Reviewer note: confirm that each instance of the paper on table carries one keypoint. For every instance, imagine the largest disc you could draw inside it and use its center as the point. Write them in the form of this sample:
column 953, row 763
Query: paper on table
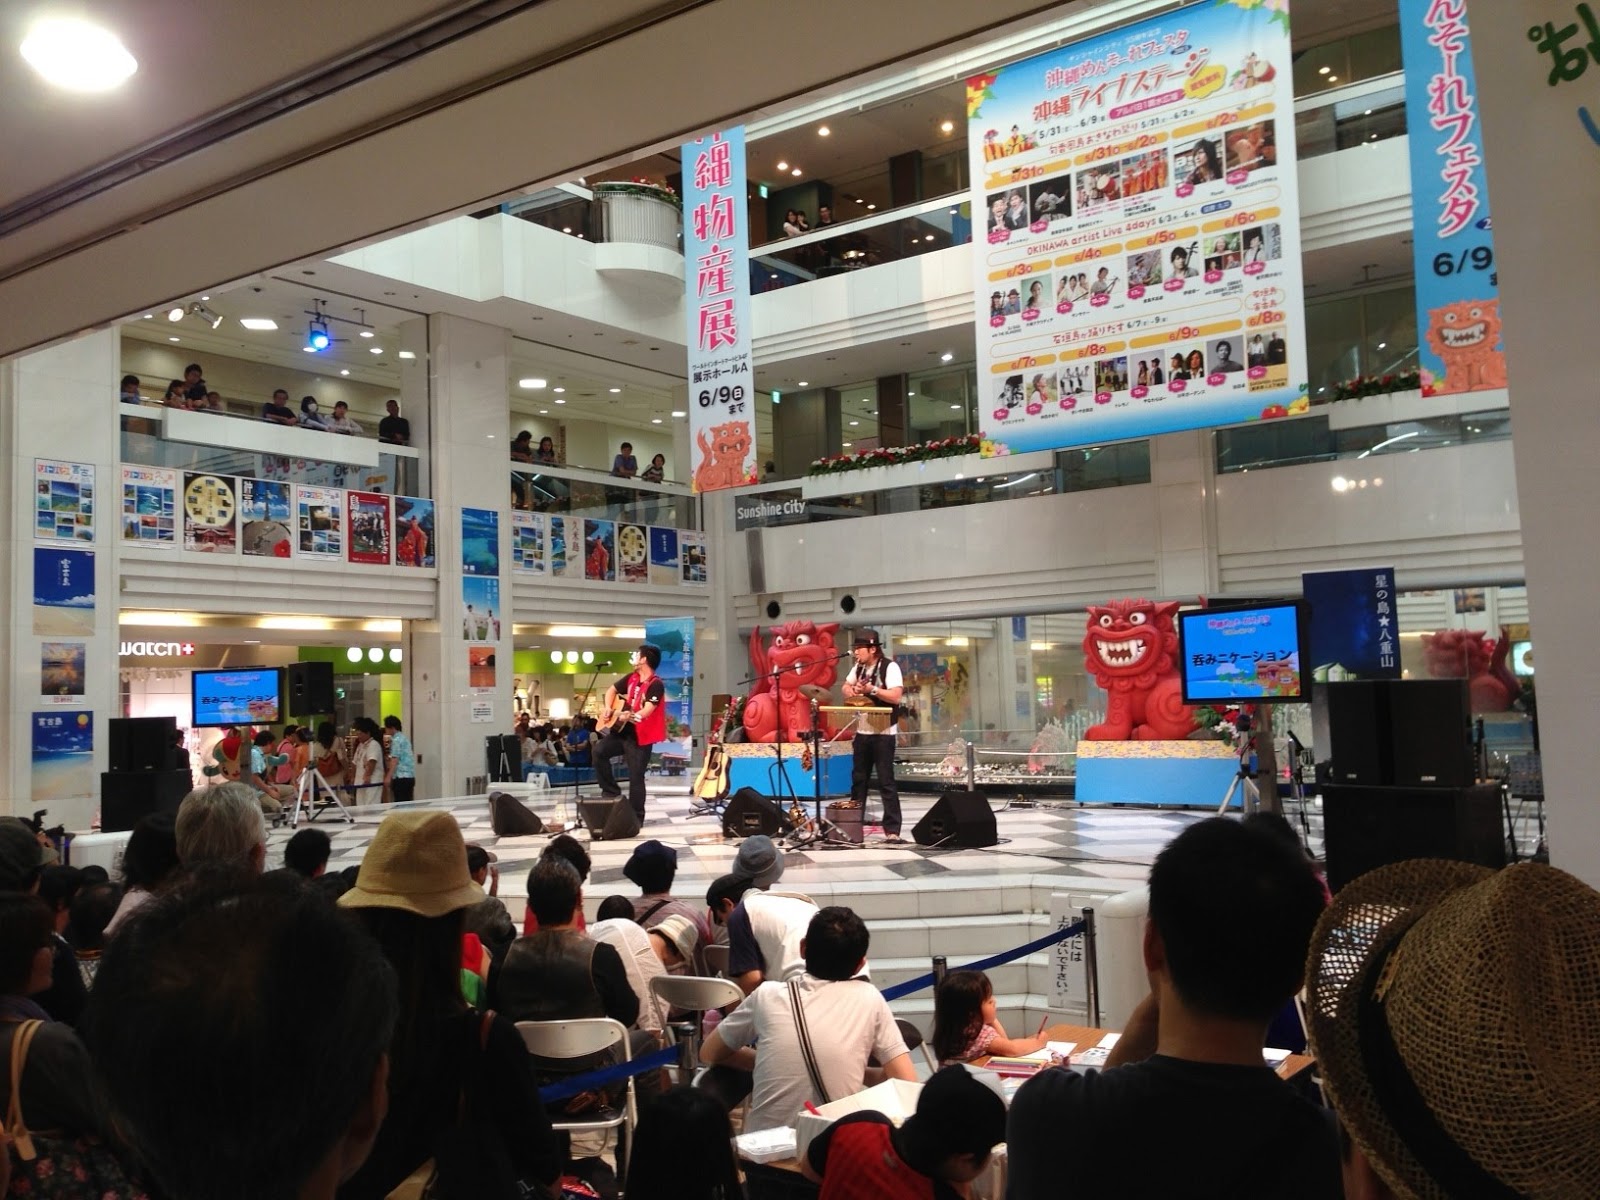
column 1275, row 1058
column 1062, row 1050
column 1108, row 1041
column 768, row 1145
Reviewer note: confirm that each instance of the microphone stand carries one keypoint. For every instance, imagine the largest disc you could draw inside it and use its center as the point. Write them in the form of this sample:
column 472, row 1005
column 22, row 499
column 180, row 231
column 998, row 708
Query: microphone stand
column 782, row 779
column 577, row 772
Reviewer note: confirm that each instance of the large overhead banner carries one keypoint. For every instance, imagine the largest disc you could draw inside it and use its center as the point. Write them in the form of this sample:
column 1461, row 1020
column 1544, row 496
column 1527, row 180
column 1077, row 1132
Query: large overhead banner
column 716, row 259
column 1139, row 268
column 1458, row 304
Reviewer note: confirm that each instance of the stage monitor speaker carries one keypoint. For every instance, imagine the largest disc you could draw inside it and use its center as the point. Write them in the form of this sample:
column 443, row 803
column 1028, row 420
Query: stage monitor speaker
column 1365, row 828
column 125, row 796
column 1350, row 733
column 310, row 689
column 509, row 817
column 503, row 756
column 609, row 820
column 1430, row 724
column 957, row 819
column 141, row 743
column 748, row 812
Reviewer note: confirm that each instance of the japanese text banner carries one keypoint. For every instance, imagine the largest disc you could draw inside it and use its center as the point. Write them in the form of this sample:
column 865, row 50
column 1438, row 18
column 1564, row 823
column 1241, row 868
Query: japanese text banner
column 1140, row 270
column 716, row 252
column 1458, row 307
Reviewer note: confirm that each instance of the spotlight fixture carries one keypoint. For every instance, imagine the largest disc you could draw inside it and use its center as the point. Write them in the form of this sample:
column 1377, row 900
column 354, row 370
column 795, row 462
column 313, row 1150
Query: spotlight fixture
column 197, row 309
column 318, row 338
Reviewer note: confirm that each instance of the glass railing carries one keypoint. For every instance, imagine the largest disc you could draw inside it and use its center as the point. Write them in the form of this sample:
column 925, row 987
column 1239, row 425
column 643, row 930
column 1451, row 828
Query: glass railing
column 564, row 209
column 1344, row 118
column 847, row 246
column 1311, row 440
column 569, row 491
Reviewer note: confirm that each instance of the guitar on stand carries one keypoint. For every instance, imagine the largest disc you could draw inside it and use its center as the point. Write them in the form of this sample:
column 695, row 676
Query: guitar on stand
column 711, row 785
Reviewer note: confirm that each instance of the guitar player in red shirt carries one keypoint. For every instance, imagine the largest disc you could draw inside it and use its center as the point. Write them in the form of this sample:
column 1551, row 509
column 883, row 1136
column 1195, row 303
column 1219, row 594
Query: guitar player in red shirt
column 635, row 719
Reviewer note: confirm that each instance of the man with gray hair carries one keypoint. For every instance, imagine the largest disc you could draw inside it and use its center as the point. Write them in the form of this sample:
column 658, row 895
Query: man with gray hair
column 222, row 826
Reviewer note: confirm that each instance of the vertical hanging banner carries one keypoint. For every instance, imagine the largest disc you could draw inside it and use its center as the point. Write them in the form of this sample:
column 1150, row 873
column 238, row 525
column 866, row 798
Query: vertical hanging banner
column 675, row 637
column 1355, row 631
column 1458, row 305
column 1140, row 270
column 716, row 253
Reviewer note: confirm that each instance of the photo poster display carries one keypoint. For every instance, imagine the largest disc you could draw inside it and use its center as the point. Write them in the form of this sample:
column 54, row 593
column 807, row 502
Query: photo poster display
column 369, row 527
column 1458, row 297
column 633, row 553
column 599, row 550
column 480, row 541
column 716, row 252
column 528, row 543
column 692, row 557
column 480, row 668
column 1355, row 631
column 210, row 513
column 675, row 637
column 321, row 519
column 63, row 756
column 480, row 600
column 562, row 564
column 664, row 567
column 63, row 500
column 150, row 506
column 1138, row 268
column 413, row 528
column 264, row 515
column 62, row 669
column 63, row 592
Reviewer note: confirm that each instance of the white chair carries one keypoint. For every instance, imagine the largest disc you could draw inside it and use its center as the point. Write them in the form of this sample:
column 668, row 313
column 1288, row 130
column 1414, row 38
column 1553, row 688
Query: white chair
column 588, row 1038
column 697, row 995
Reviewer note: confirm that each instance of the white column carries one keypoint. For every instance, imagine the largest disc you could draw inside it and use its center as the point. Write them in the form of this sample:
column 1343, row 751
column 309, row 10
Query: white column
column 1183, row 472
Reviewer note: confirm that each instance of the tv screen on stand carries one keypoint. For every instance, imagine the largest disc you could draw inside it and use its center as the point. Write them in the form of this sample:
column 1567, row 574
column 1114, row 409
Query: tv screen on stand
column 1244, row 654
column 243, row 696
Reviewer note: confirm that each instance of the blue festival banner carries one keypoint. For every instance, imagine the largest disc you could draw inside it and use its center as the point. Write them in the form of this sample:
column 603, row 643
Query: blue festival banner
column 1458, row 306
column 675, row 636
column 1355, row 631
column 716, row 254
column 1139, row 270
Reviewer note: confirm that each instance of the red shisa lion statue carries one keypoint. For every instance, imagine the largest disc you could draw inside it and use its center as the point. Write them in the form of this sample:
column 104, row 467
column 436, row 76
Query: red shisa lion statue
column 1472, row 655
column 1131, row 650
column 800, row 665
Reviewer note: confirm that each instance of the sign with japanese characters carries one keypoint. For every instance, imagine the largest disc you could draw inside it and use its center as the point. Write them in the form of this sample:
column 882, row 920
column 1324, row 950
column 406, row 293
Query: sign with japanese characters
column 1355, row 630
column 149, row 506
column 1138, row 267
column 1458, row 306
column 674, row 636
column 716, row 252
column 63, row 505
column 528, row 534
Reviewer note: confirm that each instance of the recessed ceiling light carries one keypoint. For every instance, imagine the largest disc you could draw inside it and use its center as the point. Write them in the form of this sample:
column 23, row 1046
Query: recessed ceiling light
column 855, row 422
column 172, row 339
column 560, row 390
column 871, row 207
column 955, row 406
column 795, row 172
column 532, row 384
column 407, row 354
column 928, row 237
column 655, row 420
column 566, row 229
column 1333, row 79
column 859, row 200
column 846, row 445
column 367, row 333
column 344, row 371
column 946, row 356
column 804, row 383
column 307, row 349
column 678, row 412
column 782, row 166
column 560, row 401
column 259, row 324
column 375, row 350
column 77, row 55
column 1323, row 70
column 947, row 126
column 613, row 391
column 149, row 316
column 177, row 312
column 823, row 131
column 544, row 412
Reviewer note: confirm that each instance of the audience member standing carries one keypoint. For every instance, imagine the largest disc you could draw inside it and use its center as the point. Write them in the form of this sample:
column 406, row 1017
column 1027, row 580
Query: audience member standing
column 277, row 411
column 343, row 422
column 394, row 428
column 149, row 862
column 22, row 858
column 400, row 763
column 310, row 418
column 625, row 465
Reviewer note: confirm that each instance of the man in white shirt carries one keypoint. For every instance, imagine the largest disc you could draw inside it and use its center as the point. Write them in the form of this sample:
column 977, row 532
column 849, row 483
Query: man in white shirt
column 766, row 938
column 845, row 1018
column 878, row 681
column 617, row 928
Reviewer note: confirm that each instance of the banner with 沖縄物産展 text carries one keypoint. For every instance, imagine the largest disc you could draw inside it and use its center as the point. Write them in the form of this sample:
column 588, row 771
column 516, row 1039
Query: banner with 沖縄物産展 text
column 716, row 253
column 674, row 636
column 1458, row 304
column 1139, row 269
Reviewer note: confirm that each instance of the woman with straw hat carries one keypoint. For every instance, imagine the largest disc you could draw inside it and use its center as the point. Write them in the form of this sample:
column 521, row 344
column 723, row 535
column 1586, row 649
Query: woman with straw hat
column 447, row 1059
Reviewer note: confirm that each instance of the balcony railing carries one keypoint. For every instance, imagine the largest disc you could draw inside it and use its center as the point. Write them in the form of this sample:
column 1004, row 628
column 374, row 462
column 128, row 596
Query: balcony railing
column 572, row 491
column 847, row 246
column 1373, row 110
column 1312, row 439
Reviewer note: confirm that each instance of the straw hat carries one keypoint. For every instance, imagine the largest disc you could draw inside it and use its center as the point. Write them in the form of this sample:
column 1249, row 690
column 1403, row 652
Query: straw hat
column 1452, row 1016
column 680, row 931
column 417, row 863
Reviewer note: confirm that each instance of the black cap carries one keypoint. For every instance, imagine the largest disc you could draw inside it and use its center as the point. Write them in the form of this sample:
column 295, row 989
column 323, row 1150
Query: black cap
column 867, row 637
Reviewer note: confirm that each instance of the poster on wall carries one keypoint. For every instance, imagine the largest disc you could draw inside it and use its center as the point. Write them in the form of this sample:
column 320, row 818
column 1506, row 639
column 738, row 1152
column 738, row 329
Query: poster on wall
column 528, row 543
column 599, row 550
column 480, row 599
column 561, row 563
column 1139, row 267
column 63, row 756
column 62, row 666
column 716, row 252
column 663, row 556
column 321, row 520
column 480, row 668
column 675, row 637
column 480, row 541
column 1355, row 629
column 210, row 513
column 369, row 527
column 63, row 592
column 264, row 518
column 63, row 500
column 413, row 528
column 633, row 553
column 692, row 555
column 1458, row 305
column 149, row 506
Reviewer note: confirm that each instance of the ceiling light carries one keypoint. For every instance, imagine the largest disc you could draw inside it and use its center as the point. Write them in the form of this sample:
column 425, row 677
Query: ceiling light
column 588, row 656
column 614, row 391
column 804, row 383
column 556, row 656
column 77, row 56
column 353, row 654
column 871, row 207
column 395, row 654
column 1383, row 345
column 655, row 420
column 1323, row 70
column 823, row 131
column 846, row 445
column 532, row 384
column 317, row 336
column 560, row 401
column 197, row 309
column 795, row 172
column 149, row 316
column 345, row 372
column 172, row 339
column 928, row 238
column 782, row 166
column 678, row 412
column 859, row 200
column 1333, row 79
column 946, row 356
column 558, row 391
column 910, row 393
column 855, row 422
column 956, row 406
column 177, row 313
column 566, row 229
column 947, row 126
column 544, row 412
column 259, row 324
column 407, row 354
column 367, row 333
column 375, row 350
column 375, row 654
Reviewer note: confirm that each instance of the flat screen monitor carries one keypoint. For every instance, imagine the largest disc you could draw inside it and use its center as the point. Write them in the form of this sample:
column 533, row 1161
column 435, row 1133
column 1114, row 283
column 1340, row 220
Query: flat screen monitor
column 1244, row 654
column 242, row 696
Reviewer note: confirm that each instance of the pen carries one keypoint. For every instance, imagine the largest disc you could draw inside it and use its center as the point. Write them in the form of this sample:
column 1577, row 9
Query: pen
column 812, row 1109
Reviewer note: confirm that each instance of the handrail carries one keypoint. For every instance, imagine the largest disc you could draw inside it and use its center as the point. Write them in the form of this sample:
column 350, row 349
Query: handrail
column 857, row 224
column 1350, row 91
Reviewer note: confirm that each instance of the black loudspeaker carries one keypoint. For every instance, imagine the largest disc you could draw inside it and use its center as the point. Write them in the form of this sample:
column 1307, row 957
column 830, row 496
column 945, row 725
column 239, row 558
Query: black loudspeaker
column 1365, row 828
column 609, row 820
column 1430, row 724
column 310, row 689
column 1350, row 733
column 748, row 813
column 509, row 817
column 957, row 819
column 503, row 756
column 141, row 743
column 125, row 796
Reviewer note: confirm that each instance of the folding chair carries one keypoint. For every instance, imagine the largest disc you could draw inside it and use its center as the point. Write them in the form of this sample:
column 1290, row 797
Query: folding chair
column 716, row 958
column 697, row 995
column 912, row 1036
column 588, row 1038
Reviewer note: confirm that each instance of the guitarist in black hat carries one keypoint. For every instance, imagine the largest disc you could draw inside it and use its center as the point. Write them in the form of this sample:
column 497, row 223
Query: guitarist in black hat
column 877, row 681
column 635, row 719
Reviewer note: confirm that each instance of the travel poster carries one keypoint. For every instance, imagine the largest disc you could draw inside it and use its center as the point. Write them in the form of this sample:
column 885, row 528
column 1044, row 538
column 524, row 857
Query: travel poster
column 1355, row 629
column 61, row 671
column 692, row 552
column 149, row 506
column 562, row 563
column 321, row 520
column 599, row 550
column 528, row 542
column 413, row 531
column 480, row 668
column 265, row 516
column 63, row 500
column 369, row 528
column 480, row 599
column 480, row 541
column 63, row 756
column 210, row 513
column 63, row 592
column 675, row 637
column 664, row 556
column 633, row 553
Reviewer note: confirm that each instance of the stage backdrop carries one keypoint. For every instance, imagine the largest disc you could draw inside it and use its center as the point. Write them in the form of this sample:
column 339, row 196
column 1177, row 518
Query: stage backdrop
column 1137, row 265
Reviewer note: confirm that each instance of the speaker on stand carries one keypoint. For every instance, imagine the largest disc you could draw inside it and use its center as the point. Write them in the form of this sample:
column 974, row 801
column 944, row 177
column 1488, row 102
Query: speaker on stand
column 311, row 689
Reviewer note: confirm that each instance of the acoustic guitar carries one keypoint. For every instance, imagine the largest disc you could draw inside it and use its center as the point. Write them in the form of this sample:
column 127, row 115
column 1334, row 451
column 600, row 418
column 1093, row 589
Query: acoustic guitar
column 712, row 781
column 614, row 718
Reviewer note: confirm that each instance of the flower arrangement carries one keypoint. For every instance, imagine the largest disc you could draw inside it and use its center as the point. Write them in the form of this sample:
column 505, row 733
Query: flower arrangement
column 653, row 189
column 1375, row 385
column 1217, row 724
column 888, row 456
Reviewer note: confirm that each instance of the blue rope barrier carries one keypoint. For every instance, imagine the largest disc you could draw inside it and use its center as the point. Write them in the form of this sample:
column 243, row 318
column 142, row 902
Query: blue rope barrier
column 983, row 964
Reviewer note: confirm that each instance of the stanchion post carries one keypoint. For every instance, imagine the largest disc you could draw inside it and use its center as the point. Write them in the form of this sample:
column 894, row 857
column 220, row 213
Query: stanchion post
column 972, row 767
column 940, row 966
column 1091, row 970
